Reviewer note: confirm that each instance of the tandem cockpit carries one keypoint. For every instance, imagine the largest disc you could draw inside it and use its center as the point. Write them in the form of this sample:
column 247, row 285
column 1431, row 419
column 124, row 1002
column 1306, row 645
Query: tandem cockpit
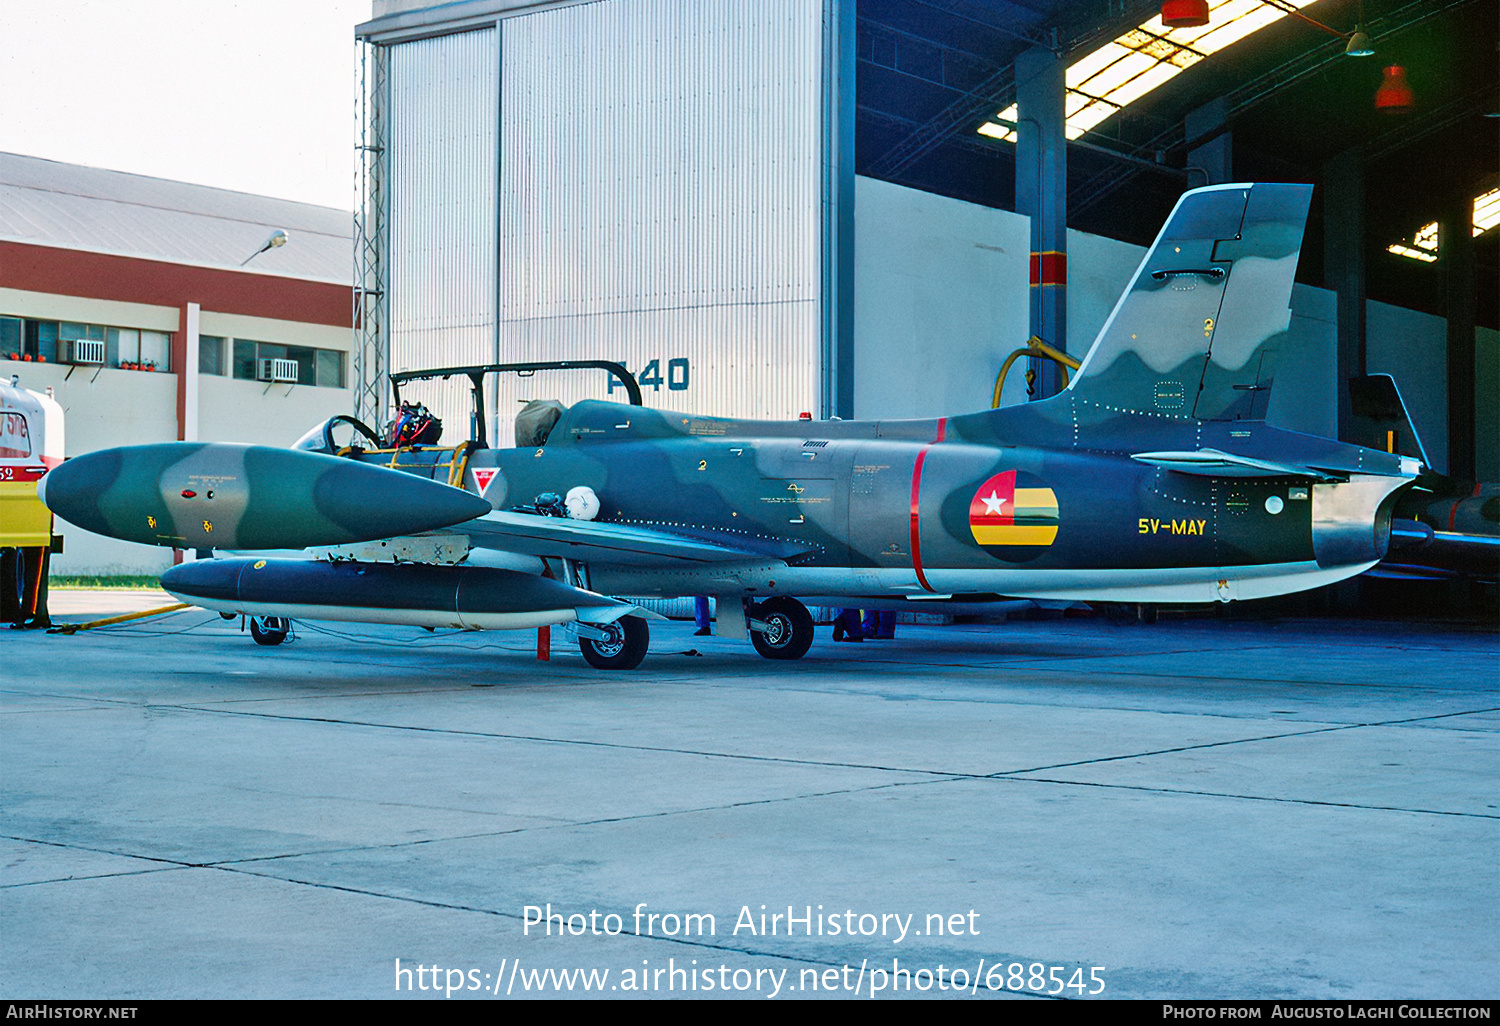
column 414, row 441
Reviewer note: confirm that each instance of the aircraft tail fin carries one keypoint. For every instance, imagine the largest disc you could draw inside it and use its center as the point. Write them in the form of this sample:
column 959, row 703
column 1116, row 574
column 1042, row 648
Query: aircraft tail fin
column 1381, row 420
column 1197, row 332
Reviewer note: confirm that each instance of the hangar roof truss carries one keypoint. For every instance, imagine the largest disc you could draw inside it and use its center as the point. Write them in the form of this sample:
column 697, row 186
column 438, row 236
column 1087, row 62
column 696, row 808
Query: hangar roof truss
column 1133, row 64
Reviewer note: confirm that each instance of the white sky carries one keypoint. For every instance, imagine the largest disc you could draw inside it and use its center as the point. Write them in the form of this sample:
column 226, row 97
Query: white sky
column 253, row 95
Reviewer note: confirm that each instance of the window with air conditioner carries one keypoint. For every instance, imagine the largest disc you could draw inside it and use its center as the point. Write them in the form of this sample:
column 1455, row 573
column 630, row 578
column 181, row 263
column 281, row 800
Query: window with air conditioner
column 83, row 350
column 277, row 370
column 303, row 365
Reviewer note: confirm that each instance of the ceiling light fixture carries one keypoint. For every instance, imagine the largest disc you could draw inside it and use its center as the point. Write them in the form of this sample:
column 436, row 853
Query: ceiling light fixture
column 1359, row 43
column 1394, row 95
column 1184, row 13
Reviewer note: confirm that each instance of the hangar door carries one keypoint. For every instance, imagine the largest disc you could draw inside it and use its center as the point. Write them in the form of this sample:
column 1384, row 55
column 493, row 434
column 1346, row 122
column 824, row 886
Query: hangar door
column 632, row 180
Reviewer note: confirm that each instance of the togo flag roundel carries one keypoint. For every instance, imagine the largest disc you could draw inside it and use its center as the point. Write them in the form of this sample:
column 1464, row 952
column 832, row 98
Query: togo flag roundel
column 1015, row 511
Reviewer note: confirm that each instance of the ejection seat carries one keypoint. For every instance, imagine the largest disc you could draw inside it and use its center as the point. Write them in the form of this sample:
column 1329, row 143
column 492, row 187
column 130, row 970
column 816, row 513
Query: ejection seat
column 535, row 422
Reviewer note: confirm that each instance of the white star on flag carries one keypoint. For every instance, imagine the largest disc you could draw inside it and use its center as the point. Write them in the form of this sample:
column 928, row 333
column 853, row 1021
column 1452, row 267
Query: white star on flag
column 992, row 503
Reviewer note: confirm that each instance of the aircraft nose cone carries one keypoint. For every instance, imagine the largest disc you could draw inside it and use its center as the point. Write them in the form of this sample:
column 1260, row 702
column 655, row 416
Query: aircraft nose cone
column 74, row 489
column 204, row 579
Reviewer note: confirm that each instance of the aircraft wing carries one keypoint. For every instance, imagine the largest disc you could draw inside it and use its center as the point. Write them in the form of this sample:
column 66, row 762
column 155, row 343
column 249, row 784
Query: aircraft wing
column 620, row 544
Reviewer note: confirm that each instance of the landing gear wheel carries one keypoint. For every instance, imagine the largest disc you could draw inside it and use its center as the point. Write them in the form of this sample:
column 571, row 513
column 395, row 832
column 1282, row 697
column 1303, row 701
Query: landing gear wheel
column 269, row 630
column 789, row 628
column 629, row 637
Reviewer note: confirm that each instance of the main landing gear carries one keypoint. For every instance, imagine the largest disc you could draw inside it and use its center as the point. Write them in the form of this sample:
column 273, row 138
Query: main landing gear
column 622, row 645
column 781, row 628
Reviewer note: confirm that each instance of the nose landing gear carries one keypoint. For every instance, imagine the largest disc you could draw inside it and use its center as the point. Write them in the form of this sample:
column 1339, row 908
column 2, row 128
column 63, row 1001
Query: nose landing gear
column 269, row 630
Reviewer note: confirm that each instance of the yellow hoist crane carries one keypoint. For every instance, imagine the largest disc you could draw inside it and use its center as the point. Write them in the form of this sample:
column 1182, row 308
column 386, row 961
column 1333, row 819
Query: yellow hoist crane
column 1034, row 347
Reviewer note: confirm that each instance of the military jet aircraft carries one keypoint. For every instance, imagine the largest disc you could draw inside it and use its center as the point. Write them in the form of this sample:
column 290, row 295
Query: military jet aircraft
column 1152, row 477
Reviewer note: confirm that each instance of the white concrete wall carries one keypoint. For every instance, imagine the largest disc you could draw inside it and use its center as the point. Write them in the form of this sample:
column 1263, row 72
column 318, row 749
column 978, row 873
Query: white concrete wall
column 267, row 329
column 265, row 414
column 46, row 306
column 234, row 410
column 1413, row 349
column 939, row 300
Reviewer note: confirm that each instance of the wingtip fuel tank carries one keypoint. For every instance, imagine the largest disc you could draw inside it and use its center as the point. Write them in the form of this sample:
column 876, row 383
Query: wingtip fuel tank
column 422, row 595
column 206, row 495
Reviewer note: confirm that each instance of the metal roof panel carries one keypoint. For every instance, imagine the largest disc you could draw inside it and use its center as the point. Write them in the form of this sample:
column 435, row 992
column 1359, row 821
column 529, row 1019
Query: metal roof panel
column 71, row 206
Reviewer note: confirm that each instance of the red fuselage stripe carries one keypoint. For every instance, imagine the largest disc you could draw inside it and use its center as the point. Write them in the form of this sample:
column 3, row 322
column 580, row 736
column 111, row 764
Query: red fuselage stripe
column 916, row 507
column 1453, row 513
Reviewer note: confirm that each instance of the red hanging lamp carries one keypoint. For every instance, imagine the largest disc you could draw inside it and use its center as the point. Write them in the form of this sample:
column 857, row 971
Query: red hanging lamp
column 1184, row 13
column 1394, row 95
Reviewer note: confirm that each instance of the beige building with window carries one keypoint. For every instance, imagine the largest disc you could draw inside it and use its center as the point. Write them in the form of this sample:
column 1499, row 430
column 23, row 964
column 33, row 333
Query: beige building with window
column 157, row 311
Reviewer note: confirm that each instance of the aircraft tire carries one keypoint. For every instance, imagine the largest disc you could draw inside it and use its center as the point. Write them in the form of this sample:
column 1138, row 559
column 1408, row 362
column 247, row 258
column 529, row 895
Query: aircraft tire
column 269, row 630
column 791, row 628
column 630, row 637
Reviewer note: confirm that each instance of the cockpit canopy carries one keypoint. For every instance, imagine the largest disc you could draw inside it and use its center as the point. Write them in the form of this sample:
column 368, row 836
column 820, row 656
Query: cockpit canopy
column 337, row 434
